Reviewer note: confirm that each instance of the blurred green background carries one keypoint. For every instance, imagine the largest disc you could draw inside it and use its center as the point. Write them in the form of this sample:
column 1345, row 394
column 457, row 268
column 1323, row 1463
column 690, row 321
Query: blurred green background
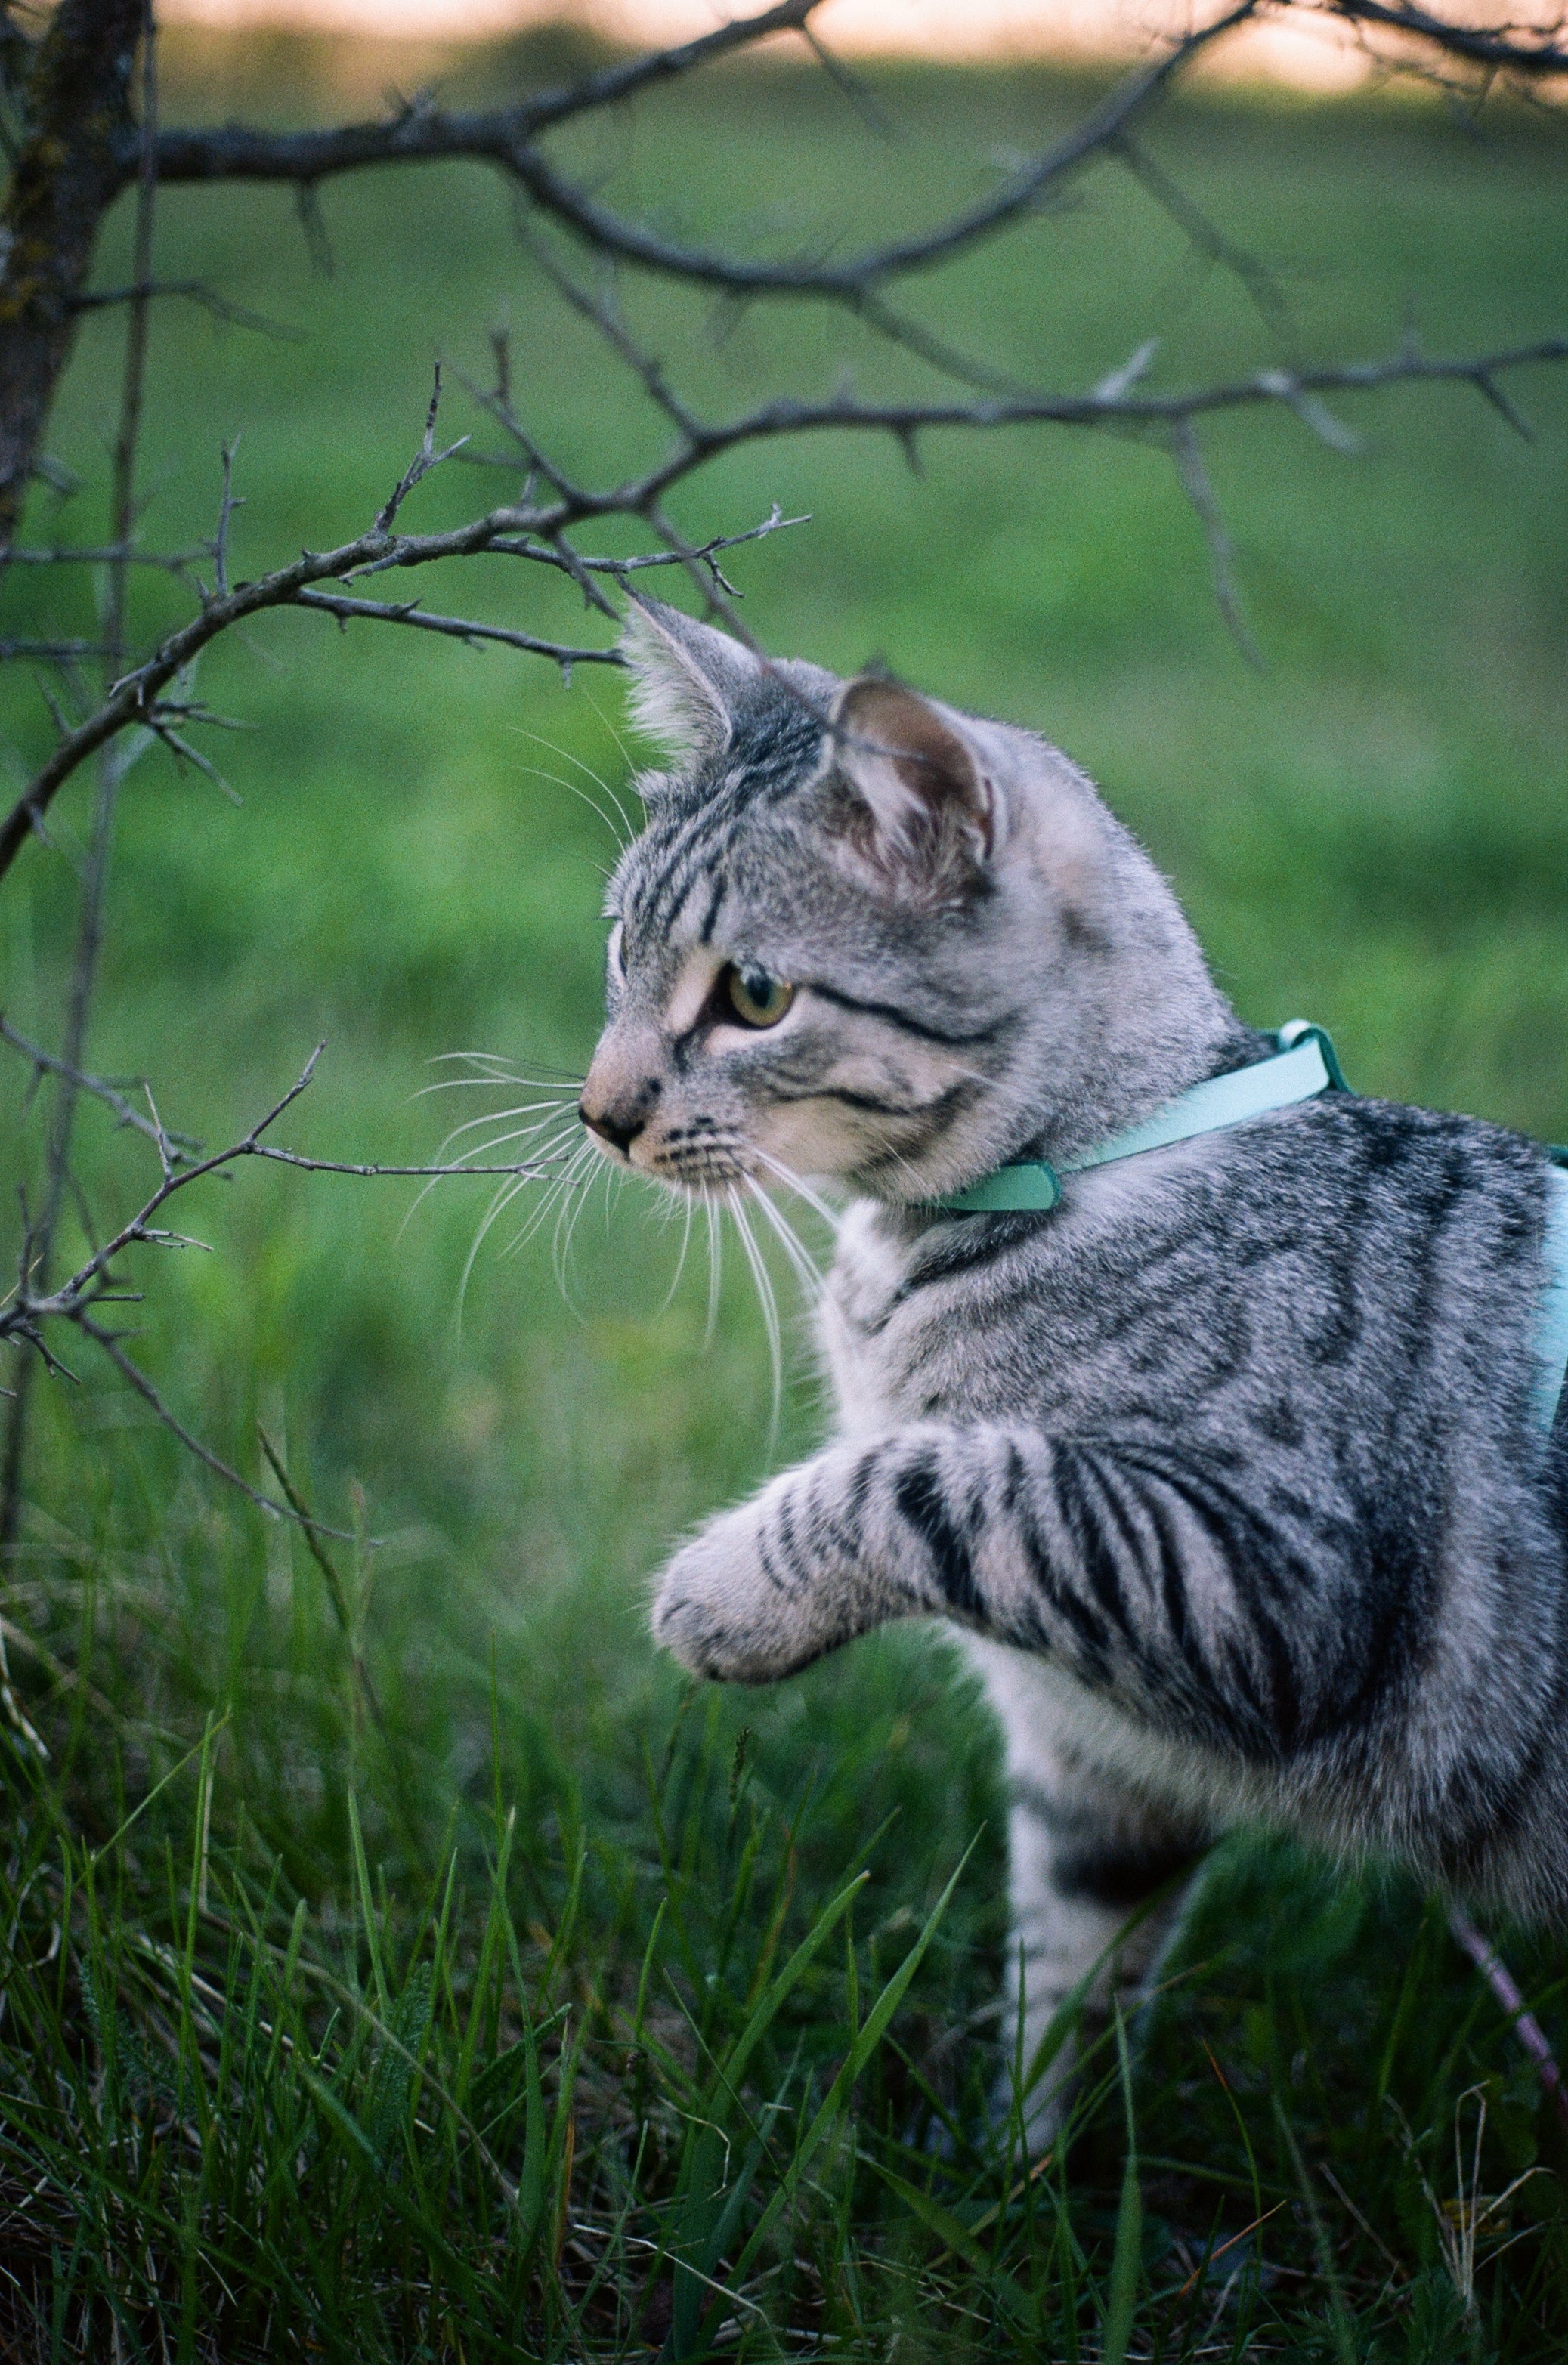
column 1371, row 831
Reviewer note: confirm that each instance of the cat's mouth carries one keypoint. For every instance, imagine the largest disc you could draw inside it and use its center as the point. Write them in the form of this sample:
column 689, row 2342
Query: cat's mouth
column 698, row 1165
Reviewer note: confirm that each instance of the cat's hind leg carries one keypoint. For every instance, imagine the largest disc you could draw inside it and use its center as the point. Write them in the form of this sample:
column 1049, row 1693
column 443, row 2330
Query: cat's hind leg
column 1098, row 1879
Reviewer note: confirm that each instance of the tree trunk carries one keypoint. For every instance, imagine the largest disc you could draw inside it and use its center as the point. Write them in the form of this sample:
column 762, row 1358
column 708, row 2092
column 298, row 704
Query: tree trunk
column 73, row 164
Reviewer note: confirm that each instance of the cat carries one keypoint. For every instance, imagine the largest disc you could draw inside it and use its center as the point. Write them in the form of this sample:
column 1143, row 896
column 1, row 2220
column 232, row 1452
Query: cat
column 1227, row 1468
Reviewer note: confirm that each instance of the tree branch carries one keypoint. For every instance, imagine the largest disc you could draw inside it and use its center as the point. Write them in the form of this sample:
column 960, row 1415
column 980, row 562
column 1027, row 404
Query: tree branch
column 1535, row 52
column 1019, row 195
column 425, row 134
column 457, row 628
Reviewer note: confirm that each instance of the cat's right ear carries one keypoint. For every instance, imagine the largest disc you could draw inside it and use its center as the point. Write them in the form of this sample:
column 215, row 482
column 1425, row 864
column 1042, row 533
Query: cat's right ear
column 686, row 679
column 911, row 799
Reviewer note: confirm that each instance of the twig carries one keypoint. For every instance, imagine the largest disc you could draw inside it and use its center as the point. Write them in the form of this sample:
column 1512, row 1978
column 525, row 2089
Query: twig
column 318, row 1554
column 83, row 1289
column 1189, row 459
column 172, row 562
column 227, row 505
column 1534, row 53
column 55, row 652
column 125, row 1110
column 458, row 628
column 109, row 1342
column 508, row 138
column 424, row 460
column 1526, row 2027
column 194, row 291
column 425, row 133
column 92, row 1286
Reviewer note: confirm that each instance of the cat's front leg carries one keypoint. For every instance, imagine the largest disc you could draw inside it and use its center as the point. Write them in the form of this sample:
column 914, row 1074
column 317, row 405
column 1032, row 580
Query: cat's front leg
column 767, row 1587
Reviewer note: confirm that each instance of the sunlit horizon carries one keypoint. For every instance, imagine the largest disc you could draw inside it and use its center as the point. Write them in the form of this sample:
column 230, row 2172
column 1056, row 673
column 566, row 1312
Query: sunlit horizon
column 1307, row 50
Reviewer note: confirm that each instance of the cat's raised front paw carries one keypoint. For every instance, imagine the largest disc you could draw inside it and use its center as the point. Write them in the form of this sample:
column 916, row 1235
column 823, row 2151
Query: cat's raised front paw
column 720, row 1613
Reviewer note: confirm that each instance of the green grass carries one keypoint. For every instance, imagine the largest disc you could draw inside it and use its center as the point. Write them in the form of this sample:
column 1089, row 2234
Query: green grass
column 515, row 2028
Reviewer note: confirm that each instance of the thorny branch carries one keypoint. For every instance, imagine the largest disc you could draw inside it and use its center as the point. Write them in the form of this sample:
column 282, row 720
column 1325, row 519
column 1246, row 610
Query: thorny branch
column 25, row 1314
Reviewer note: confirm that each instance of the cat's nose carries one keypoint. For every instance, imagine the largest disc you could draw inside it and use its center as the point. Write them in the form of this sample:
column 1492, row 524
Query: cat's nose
column 619, row 1118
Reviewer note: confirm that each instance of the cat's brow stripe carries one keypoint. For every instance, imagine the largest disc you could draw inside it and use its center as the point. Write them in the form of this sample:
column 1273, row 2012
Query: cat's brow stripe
column 908, row 1023
column 715, row 904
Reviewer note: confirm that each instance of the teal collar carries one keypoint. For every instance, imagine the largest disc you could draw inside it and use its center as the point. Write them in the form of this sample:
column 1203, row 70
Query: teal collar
column 1303, row 1065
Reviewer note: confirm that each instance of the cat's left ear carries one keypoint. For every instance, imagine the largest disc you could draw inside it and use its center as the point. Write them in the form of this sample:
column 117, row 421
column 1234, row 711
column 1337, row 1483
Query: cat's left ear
column 914, row 798
column 685, row 679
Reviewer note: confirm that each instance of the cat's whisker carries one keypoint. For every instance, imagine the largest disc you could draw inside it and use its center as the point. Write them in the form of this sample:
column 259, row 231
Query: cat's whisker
column 497, row 1080
column 528, row 1169
column 680, row 1260
column 562, row 1180
column 553, row 1198
column 600, row 781
column 626, row 755
column 495, row 1067
column 501, row 1199
column 800, row 1265
column 572, row 1205
column 769, row 1304
column 592, row 802
column 549, row 1153
column 797, row 1183
column 552, row 1108
column 715, row 1269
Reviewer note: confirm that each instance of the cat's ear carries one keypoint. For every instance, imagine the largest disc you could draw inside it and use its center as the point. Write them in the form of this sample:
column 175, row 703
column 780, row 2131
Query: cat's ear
column 685, row 679
column 910, row 794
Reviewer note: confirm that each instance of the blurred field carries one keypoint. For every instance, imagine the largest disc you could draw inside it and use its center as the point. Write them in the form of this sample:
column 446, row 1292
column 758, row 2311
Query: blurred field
column 1372, row 831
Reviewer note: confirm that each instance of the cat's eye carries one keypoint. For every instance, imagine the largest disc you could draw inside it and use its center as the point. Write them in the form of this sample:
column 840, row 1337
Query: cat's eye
column 758, row 999
column 613, row 953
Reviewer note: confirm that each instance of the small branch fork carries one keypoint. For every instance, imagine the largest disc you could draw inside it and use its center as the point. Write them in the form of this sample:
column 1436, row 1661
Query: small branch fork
column 26, row 1315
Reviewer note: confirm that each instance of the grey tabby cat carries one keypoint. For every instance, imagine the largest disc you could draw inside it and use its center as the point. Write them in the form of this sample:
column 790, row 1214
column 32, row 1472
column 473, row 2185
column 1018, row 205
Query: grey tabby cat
column 1227, row 1468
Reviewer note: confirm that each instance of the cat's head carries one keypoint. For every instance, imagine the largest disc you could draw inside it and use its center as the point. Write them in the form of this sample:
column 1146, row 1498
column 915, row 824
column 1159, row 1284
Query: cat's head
column 866, row 938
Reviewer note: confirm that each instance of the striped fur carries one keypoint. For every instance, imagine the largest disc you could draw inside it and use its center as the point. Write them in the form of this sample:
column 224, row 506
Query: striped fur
column 1226, row 1469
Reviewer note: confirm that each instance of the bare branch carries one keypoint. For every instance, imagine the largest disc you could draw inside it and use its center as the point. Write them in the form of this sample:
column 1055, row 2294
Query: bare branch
column 126, row 1112
column 1021, row 196
column 1189, row 459
column 23, row 1318
column 335, row 1594
column 457, row 628
column 426, row 458
column 37, row 1243
column 81, row 146
column 227, row 505
column 1534, row 53
column 110, row 1343
column 128, row 553
column 194, row 291
column 28, row 1310
column 421, row 133
column 54, row 652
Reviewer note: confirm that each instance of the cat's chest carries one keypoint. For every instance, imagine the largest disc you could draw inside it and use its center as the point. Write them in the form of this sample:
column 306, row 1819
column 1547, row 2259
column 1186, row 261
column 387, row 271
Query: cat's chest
column 896, row 1355
column 1044, row 1320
